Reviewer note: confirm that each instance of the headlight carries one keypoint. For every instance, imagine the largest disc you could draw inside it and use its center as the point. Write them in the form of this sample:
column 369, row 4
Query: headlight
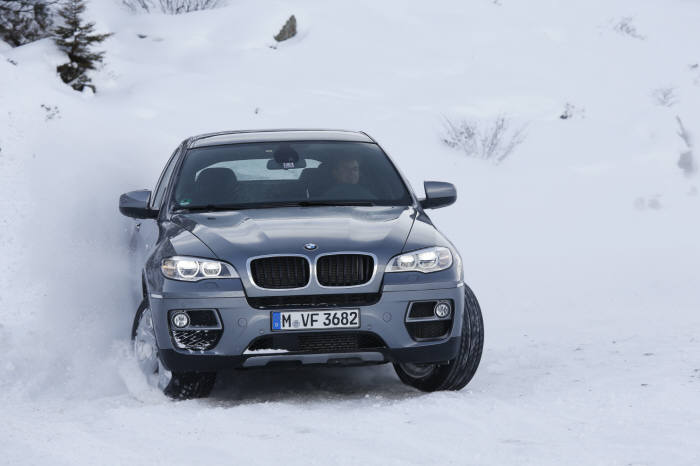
column 424, row 260
column 193, row 269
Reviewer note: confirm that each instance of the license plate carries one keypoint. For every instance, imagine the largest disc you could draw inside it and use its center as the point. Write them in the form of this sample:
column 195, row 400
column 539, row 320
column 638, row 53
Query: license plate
column 316, row 320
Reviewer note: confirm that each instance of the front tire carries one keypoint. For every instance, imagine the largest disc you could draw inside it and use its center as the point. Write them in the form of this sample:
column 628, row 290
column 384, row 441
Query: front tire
column 457, row 373
column 176, row 385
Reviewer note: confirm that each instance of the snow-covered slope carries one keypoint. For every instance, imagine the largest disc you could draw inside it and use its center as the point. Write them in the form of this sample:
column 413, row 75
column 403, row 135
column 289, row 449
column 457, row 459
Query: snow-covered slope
column 582, row 246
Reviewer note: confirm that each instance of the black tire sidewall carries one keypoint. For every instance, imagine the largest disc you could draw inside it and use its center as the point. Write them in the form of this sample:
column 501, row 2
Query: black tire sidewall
column 139, row 311
column 182, row 385
column 457, row 373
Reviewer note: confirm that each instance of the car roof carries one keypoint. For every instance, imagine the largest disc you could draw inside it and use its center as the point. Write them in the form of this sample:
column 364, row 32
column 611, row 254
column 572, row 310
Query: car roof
column 274, row 135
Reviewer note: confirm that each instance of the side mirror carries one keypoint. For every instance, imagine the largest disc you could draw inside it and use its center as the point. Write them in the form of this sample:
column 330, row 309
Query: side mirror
column 135, row 204
column 438, row 194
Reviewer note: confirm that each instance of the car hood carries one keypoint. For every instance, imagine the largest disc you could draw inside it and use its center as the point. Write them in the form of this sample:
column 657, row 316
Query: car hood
column 236, row 236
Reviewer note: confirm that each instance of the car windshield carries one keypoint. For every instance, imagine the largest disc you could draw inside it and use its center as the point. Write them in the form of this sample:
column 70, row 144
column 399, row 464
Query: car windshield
column 271, row 174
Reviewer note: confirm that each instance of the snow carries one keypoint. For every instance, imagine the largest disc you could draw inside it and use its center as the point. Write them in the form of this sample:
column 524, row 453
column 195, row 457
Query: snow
column 265, row 351
column 582, row 246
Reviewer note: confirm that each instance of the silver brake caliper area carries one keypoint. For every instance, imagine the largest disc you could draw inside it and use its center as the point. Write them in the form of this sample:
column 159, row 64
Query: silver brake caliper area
column 418, row 371
column 146, row 352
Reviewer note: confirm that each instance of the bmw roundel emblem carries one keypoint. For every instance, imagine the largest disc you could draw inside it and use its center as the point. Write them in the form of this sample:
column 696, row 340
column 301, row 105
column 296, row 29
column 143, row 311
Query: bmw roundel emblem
column 310, row 246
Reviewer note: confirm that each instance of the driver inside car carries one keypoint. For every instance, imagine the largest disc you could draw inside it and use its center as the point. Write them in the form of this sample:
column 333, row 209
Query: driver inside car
column 346, row 181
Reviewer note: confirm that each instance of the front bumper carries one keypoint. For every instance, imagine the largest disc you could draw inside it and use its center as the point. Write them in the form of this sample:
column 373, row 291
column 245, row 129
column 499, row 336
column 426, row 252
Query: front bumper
column 242, row 324
column 194, row 362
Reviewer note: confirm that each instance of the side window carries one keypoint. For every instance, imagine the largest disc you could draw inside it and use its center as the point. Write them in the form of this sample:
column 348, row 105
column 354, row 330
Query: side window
column 157, row 198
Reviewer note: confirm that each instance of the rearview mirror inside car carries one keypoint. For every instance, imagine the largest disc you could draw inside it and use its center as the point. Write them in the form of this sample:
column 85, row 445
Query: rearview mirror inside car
column 273, row 164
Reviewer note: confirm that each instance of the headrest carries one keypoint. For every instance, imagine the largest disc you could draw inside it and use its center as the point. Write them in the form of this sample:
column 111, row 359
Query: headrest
column 308, row 173
column 216, row 175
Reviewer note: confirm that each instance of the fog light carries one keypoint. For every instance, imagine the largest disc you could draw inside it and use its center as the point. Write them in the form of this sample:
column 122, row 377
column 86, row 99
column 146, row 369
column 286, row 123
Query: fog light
column 442, row 310
column 181, row 320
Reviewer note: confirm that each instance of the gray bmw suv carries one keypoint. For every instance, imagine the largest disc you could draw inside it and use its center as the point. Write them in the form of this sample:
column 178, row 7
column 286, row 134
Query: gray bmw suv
column 260, row 248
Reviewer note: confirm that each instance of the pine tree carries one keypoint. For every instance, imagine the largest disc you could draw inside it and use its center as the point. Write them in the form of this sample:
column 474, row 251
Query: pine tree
column 24, row 21
column 76, row 39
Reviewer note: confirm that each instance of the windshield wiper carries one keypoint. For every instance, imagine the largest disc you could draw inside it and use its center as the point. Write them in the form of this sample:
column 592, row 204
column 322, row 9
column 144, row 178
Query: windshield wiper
column 338, row 203
column 270, row 205
column 210, row 208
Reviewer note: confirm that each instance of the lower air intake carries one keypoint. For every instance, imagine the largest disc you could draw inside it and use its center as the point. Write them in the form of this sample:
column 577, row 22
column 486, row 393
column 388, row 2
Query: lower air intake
column 322, row 342
column 311, row 301
column 196, row 340
column 429, row 330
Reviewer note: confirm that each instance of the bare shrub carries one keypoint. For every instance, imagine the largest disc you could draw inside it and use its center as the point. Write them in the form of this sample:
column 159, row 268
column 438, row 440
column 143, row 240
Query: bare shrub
column 171, row 7
column 175, row 7
column 694, row 67
column 625, row 26
column 665, row 96
column 571, row 110
column 52, row 111
column 494, row 141
column 139, row 5
column 686, row 162
column 644, row 203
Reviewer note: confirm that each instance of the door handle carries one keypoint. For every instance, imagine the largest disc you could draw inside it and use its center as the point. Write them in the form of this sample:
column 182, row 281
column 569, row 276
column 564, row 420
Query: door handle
column 138, row 227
